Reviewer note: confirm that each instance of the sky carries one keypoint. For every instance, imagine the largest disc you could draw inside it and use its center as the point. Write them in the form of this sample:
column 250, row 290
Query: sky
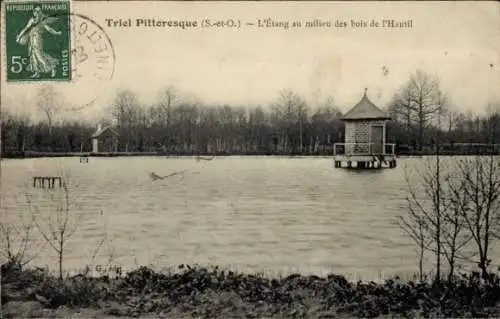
column 457, row 41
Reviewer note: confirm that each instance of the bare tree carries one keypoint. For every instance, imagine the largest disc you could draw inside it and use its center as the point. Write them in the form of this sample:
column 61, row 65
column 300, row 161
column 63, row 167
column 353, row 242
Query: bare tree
column 48, row 101
column 492, row 125
column 434, row 221
column 293, row 110
column 455, row 232
column 453, row 119
column 125, row 106
column 414, row 226
column 419, row 100
column 302, row 111
column 58, row 226
column 257, row 124
column 425, row 208
column 167, row 101
column 61, row 222
column 426, row 96
column 478, row 197
column 125, row 110
column 401, row 107
column 16, row 240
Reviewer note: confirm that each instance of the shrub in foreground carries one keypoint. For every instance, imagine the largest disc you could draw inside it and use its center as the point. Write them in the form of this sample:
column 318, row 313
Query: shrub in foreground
column 212, row 292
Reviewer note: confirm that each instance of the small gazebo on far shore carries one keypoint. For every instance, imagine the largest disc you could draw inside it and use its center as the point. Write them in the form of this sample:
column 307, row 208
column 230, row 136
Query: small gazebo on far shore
column 105, row 138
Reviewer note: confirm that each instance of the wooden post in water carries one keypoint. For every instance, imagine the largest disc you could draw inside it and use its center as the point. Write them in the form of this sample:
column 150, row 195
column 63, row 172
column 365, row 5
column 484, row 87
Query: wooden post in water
column 51, row 181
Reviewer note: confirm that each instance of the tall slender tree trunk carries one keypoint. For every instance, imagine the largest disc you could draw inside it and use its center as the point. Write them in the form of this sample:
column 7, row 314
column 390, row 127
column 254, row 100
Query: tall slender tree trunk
column 300, row 129
column 438, row 202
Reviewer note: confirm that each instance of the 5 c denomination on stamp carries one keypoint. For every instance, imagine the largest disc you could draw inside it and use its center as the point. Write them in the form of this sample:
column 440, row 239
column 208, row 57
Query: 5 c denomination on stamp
column 37, row 40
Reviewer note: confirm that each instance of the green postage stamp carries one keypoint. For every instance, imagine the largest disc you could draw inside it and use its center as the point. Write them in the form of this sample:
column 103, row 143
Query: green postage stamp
column 37, row 40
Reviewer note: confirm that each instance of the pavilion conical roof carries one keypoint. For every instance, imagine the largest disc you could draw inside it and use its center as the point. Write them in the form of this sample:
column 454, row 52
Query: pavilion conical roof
column 365, row 110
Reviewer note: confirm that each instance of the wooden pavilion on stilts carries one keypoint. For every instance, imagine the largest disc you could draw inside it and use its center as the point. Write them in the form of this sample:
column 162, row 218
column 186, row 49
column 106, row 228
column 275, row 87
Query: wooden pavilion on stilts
column 365, row 138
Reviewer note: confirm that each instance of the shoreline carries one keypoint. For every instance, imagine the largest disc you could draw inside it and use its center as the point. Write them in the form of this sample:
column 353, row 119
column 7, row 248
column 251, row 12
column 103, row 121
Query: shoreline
column 210, row 292
column 35, row 154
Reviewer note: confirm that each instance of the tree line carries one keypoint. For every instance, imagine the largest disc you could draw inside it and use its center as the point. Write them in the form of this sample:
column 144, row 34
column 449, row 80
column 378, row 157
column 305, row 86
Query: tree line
column 287, row 126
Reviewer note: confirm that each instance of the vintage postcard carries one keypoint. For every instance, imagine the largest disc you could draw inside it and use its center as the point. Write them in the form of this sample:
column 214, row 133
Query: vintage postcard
column 263, row 159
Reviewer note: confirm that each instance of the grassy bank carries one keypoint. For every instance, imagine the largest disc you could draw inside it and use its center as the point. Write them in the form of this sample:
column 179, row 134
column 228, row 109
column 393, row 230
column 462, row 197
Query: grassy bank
column 34, row 154
column 214, row 293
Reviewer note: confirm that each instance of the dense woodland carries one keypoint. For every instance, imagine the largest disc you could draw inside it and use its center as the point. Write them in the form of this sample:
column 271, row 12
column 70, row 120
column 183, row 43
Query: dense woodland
column 421, row 113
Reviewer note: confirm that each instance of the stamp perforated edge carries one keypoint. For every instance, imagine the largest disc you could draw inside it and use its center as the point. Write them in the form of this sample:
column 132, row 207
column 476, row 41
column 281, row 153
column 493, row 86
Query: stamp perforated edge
column 3, row 42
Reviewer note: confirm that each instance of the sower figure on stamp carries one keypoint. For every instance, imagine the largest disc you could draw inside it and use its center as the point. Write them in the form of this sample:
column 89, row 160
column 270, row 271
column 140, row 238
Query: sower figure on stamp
column 39, row 61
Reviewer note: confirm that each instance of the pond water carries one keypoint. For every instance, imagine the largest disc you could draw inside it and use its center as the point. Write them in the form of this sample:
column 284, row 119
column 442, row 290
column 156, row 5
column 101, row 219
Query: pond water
column 275, row 215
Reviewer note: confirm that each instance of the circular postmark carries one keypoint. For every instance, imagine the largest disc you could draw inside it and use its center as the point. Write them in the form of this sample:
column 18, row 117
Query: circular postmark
column 92, row 63
column 93, row 60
